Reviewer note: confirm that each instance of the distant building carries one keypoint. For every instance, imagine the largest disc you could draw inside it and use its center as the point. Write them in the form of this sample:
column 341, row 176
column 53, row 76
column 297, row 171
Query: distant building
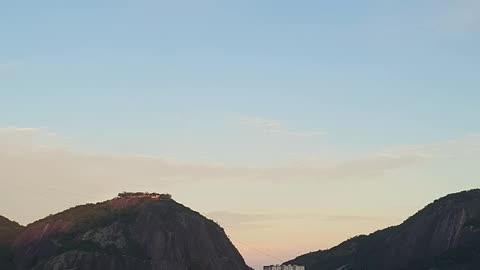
column 284, row 267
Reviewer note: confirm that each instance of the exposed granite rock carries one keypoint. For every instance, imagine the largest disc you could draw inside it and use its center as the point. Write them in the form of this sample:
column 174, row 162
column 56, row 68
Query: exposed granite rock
column 111, row 235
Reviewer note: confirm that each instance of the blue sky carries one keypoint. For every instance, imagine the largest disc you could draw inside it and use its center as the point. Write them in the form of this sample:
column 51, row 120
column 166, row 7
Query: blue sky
column 253, row 83
column 388, row 71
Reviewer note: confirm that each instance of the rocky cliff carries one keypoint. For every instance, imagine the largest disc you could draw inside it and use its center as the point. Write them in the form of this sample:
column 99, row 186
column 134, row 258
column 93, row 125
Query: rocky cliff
column 133, row 231
column 443, row 235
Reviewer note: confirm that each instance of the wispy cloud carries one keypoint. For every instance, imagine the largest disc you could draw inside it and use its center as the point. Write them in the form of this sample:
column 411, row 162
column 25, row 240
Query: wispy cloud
column 37, row 160
column 254, row 220
column 462, row 16
column 266, row 125
column 8, row 66
column 275, row 126
column 46, row 156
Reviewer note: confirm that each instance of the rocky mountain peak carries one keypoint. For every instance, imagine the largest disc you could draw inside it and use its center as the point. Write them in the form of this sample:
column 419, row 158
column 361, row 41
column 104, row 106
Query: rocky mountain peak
column 141, row 231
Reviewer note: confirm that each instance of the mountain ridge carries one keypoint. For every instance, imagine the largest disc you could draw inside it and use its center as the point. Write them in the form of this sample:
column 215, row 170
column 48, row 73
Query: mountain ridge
column 445, row 234
column 150, row 231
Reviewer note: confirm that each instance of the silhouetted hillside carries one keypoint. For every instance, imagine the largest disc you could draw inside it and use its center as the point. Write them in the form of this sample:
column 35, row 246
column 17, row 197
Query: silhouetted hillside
column 443, row 235
column 8, row 232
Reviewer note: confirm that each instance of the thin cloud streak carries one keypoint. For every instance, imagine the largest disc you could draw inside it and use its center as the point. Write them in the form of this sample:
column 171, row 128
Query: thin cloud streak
column 36, row 149
column 256, row 220
column 276, row 127
column 8, row 66
column 461, row 17
column 266, row 125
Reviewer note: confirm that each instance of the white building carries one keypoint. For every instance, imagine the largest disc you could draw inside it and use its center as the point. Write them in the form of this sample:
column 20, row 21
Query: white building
column 284, row 267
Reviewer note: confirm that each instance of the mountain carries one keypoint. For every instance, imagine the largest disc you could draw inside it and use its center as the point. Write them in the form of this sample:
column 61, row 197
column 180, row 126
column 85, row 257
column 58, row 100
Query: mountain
column 445, row 235
column 8, row 232
column 134, row 231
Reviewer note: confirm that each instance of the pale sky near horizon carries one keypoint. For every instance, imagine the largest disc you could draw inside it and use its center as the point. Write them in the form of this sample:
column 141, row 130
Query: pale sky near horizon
column 294, row 124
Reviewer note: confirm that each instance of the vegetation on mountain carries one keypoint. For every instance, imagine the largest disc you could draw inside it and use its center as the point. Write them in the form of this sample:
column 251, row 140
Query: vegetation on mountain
column 444, row 235
column 141, row 231
column 8, row 232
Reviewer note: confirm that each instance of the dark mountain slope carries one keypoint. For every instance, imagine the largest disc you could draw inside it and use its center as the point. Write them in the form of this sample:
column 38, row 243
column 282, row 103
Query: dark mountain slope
column 443, row 235
column 8, row 232
column 134, row 231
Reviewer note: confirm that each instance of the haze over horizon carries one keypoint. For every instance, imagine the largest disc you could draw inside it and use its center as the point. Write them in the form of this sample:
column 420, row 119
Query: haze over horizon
column 294, row 125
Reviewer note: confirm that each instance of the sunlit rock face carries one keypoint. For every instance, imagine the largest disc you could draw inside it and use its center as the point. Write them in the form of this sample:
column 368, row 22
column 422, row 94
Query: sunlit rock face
column 443, row 235
column 134, row 231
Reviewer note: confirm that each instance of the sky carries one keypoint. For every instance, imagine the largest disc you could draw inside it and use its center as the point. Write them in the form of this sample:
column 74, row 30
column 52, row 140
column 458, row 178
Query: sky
column 294, row 124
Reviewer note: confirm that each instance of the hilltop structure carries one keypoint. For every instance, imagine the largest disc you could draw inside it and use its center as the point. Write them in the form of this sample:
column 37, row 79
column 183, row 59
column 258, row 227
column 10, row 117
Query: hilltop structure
column 284, row 267
column 154, row 196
